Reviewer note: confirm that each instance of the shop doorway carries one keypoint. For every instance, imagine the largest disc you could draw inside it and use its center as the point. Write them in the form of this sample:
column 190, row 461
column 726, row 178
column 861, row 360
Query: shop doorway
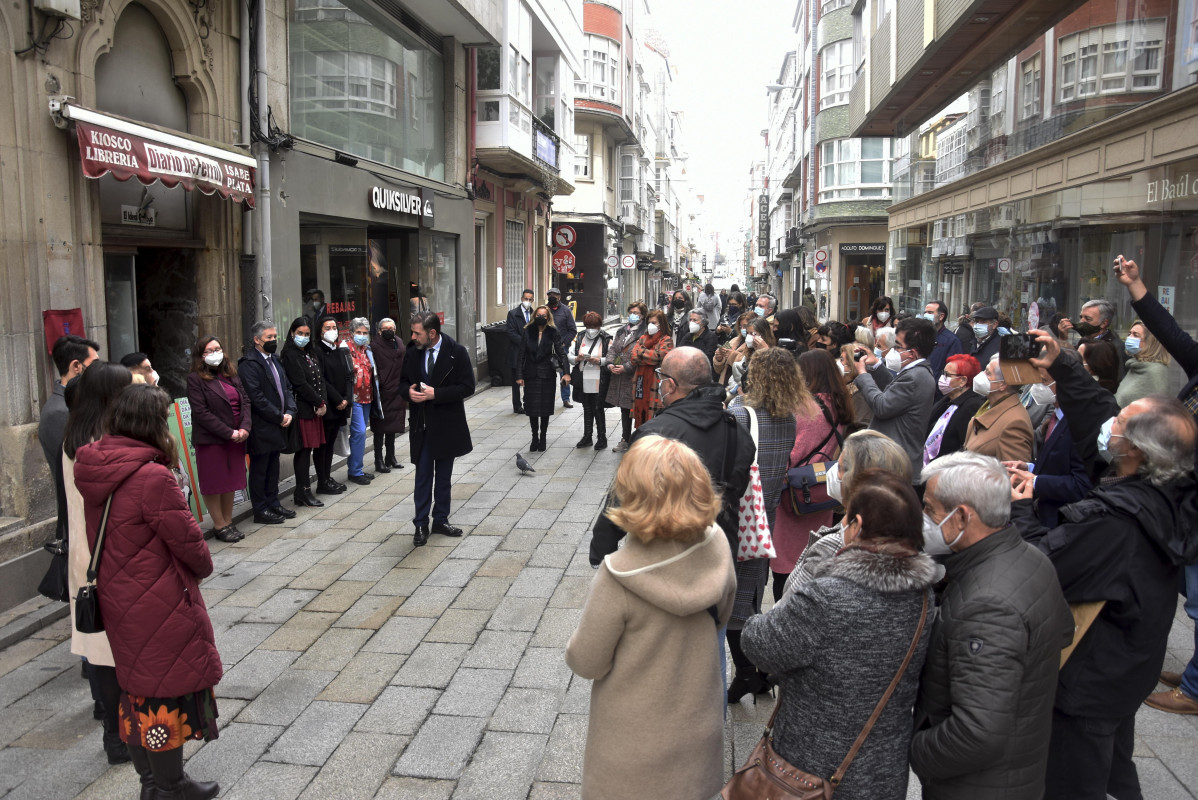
column 864, row 280
column 150, row 293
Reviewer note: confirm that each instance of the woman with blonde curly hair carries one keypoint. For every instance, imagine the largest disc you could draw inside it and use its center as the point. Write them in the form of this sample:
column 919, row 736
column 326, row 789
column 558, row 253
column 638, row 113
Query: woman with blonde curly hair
column 645, row 636
column 777, row 399
column 1147, row 366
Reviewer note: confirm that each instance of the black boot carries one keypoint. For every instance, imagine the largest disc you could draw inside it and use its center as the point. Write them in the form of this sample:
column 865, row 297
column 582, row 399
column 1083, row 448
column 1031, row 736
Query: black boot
column 172, row 783
column 588, row 425
column 141, row 763
column 304, row 497
column 600, row 430
column 114, row 748
column 536, row 440
column 544, row 430
column 380, row 467
column 746, row 679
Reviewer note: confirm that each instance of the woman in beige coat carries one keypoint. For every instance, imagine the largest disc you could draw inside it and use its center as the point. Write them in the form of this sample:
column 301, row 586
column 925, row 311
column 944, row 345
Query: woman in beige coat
column 648, row 636
column 1002, row 427
column 87, row 401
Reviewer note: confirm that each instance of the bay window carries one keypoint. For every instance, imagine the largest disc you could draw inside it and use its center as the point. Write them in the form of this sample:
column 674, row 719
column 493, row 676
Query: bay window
column 837, row 65
column 852, row 169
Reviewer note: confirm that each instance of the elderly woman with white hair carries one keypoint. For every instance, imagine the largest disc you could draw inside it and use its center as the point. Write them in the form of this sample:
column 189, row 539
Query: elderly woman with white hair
column 366, row 398
column 1001, row 428
column 388, row 351
column 884, row 349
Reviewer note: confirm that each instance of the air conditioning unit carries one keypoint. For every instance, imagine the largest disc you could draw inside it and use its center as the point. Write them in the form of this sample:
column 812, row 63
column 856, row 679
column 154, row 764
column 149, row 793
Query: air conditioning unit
column 59, row 8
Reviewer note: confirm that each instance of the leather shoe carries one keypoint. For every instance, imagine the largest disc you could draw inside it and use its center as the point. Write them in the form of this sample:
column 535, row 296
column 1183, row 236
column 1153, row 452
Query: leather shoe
column 567, row 405
column 392, row 463
column 1171, row 679
column 601, row 443
column 268, row 517
column 368, row 475
column 445, row 529
column 584, row 442
column 304, row 497
column 361, row 480
column 517, row 410
column 285, row 513
column 421, row 536
column 329, row 487
column 379, row 466
column 1174, row 701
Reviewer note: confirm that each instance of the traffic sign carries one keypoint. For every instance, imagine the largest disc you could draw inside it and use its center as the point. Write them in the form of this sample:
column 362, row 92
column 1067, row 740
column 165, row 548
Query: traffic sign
column 565, row 236
column 613, row 261
column 821, row 266
column 563, row 261
column 628, row 261
column 821, row 255
column 1004, row 265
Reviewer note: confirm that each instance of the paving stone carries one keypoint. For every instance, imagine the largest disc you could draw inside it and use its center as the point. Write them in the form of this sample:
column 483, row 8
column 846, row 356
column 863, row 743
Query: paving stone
column 432, row 665
column 427, row 601
column 274, row 781
column 223, row 616
column 497, row 650
column 371, row 568
column 399, row 635
column 334, row 649
column 358, row 767
column 277, row 550
column 467, row 516
column 349, row 553
column 236, row 576
column 503, row 767
column 526, row 711
column 578, row 698
column 496, row 525
column 316, row 733
column 399, row 709
column 339, row 596
column 458, row 625
column 15, row 723
column 299, row 632
column 282, row 701
column 237, row 642
column 20, row 652
column 226, row 759
column 552, row 555
column 66, row 692
column 296, row 564
column 571, row 592
column 319, row 577
column 542, row 668
column 484, row 499
column 476, row 547
column 542, row 790
column 259, row 590
column 454, row 572
column 578, row 512
column 363, row 678
column 556, row 627
column 513, row 507
column 60, row 731
column 282, row 606
column 428, row 556
column 562, row 762
column 482, row 593
column 369, row 612
column 442, row 748
column 313, row 526
column 254, row 673
column 517, row 614
column 501, row 564
column 399, row 543
column 523, row 538
column 400, row 582
column 415, row 789
column 535, row 582
column 473, row 692
column 540, row 519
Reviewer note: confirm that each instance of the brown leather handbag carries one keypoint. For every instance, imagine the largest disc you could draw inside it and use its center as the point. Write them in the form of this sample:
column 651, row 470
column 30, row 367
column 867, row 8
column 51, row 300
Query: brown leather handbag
column 768, row 776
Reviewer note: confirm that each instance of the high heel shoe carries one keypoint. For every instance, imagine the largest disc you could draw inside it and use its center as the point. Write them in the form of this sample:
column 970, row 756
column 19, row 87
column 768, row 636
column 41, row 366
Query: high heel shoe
column 304, row 497
column 752, row 685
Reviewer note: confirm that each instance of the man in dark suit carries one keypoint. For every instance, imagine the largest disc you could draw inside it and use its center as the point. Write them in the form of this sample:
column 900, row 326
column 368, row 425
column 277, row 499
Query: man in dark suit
column 437, row 378
column 947, row 343
column 517, row 321
column 567, row 329
column 72, row 354
column 272, row 408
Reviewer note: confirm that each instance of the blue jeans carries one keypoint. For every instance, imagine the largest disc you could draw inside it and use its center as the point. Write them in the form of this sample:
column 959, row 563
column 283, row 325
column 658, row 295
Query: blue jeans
column 565, row 387
column 1189, row 678
column 357, row 437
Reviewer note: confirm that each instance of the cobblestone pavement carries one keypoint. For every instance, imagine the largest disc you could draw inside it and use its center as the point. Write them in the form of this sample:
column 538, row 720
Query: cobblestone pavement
column 359, row 667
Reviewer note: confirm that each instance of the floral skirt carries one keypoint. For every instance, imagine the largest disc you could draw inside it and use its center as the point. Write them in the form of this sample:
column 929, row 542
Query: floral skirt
column 165, row 723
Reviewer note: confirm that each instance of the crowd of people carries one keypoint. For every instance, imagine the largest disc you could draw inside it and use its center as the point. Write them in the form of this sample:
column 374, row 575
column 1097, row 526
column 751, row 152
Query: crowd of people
column 974, row 574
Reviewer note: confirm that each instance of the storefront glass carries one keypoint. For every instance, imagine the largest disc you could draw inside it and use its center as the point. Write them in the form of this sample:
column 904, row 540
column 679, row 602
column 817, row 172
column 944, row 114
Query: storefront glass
column 362, row 83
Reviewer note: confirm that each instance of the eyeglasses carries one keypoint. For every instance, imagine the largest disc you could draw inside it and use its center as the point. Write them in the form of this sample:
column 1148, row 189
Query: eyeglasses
column 947, row 374
column 661, row 376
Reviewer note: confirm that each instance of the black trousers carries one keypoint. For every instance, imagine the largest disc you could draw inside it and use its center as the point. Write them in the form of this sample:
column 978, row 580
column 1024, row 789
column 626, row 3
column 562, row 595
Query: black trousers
column 323, row 455
column 302, row 462
column 264, row 481
column 1090, row 758
column 384, row 441
column 592, row 416
column 108, row 691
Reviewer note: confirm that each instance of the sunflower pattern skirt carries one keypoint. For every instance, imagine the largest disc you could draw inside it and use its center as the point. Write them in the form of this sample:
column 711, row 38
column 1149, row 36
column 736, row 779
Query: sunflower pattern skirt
column 165, row 723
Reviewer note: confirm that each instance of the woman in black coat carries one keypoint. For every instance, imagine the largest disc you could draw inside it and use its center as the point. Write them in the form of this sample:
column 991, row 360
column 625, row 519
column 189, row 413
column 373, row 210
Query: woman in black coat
column 388, row 353
column 948, row 435
column 302, row 364
column 590, row 378
column 537, row 363
column 338, row 372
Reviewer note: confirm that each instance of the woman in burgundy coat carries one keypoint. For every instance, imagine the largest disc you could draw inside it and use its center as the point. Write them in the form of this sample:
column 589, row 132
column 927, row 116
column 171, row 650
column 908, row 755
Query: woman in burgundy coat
column 220, row 426
column 151, row 561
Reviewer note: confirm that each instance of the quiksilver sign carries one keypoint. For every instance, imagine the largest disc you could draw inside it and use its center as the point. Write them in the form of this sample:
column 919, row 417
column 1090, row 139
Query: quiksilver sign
column 408, row 202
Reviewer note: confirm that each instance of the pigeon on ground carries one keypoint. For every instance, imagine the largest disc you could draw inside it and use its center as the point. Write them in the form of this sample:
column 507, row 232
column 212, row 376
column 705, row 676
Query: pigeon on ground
column 524, row 466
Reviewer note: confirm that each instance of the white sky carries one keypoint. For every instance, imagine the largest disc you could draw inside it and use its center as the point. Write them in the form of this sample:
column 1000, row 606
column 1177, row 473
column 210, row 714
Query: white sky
column 724, row 53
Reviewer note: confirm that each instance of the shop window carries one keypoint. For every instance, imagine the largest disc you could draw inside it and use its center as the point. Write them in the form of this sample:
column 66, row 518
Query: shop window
column 837, row 64
column 1031, row 87
column 513, row 266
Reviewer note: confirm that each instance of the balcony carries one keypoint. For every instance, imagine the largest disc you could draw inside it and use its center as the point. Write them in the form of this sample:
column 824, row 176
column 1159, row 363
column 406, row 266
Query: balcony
column 511, row 141
column 635, row 217
column 793, row 242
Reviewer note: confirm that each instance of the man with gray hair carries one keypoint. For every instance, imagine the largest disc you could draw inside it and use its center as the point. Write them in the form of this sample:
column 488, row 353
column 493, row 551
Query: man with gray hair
column 1096, row 321
column 272, row 409
column 985, row 697
column 1122, row 547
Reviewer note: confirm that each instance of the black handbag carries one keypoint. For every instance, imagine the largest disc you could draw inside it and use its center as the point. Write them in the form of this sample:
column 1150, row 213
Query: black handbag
column 54, row 583
column 87, row 604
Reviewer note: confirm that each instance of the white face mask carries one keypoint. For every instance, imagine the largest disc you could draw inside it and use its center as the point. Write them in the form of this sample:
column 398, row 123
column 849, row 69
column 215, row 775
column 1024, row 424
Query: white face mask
column 1042, row 394
column 843, row 369
column 1104, row 441
column 882, row 316
column 833, row 479
column 214, row 358
column 933, row 536
column 592, row 333
column 154, row 377
column 330, row 336
column 526, row 303
column 652, row 328
column 981, row 384
column 750, row 341
column 695, row 328
column 894, row 361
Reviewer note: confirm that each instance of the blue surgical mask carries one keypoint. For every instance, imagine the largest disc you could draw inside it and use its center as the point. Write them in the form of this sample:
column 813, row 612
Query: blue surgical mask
column 878, row 352
column 980, row 329
column 634, row 319
column 759, row 311
column 929, row 317
column 301, row 341
column 1132, row 345
column 361, row 340
column 744, row 332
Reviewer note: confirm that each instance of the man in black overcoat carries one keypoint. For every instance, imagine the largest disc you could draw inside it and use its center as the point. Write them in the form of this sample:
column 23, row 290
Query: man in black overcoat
column 517, row 320
column 272, row 408
column 437, row 379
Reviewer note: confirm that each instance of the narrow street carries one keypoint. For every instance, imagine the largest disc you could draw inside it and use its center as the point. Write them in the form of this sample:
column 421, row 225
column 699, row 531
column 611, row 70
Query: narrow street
column 359, row 667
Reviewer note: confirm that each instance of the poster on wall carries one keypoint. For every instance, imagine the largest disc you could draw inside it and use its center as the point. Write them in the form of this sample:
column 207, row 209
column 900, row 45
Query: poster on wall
column 347, row 267
column 180, row 427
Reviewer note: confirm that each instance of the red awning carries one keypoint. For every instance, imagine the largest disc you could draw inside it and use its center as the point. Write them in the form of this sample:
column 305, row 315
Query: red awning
column 126, row 149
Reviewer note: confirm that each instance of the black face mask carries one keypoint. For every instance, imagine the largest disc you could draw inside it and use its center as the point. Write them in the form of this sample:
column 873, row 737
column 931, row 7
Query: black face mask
column 733, row 311
column 389, row 335
column 542, row 321
column 553, row 301
column 679, row 302
column 271, row 346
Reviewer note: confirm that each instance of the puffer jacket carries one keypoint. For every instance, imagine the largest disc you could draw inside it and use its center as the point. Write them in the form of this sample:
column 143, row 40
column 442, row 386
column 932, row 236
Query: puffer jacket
column 984, row 714
column 152, row 561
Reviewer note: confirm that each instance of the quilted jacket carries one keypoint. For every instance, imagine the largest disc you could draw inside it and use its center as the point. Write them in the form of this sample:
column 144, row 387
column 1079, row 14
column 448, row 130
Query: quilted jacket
column 984, row 713
column 152, row 561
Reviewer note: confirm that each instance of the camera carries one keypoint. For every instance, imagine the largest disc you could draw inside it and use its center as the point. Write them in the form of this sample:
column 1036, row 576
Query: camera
column 1019, row 346
column 858, row 355
column 789, row 344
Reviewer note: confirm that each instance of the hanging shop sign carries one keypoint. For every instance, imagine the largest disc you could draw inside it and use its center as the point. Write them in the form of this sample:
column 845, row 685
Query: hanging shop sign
column 414, row 204
column 110, row 145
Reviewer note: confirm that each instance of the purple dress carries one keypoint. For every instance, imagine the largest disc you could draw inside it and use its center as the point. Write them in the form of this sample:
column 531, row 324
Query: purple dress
column 222, row 466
